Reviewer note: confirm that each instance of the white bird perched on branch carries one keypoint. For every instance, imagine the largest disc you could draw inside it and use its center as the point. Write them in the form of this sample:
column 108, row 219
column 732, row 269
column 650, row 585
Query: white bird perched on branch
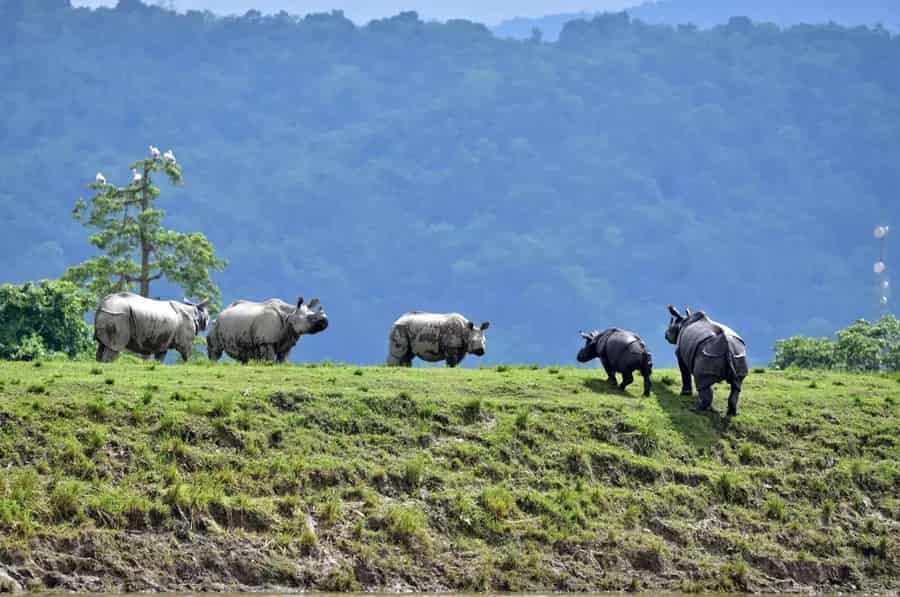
column 154, row 152
column 137, row 178
column 100, row 179
column 170, row 156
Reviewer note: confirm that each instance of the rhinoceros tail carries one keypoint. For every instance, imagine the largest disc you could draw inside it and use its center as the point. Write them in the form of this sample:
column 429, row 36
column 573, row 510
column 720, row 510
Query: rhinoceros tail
column 729, row 358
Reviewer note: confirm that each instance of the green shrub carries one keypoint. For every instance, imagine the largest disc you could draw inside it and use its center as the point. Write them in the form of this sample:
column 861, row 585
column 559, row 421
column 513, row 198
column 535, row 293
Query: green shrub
column 862, row 346
column 730, row 488
column 406, row 524
column 66, row 501
column 805, row 353
column 331, row 510
column 37, row 319
column 472, row 411
column 414, row 472
column 776, row 508
column 498, row 501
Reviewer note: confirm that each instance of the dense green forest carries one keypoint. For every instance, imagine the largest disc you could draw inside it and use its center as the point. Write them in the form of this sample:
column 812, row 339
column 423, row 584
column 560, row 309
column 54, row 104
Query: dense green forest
column 709, row 13
column 411, row 165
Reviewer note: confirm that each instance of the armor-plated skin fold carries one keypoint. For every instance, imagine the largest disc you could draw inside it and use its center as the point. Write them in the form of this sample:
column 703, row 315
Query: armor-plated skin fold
column 619, row 351
column 709, row 352
column 434, row 337
column 127, row 321
column 264, row 331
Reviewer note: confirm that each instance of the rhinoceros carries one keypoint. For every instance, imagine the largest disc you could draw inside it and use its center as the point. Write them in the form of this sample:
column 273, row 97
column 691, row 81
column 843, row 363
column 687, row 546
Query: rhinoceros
column 127, row 321
column 709, row 351
column 619, row 351
column 434, row 337
column 264, row 331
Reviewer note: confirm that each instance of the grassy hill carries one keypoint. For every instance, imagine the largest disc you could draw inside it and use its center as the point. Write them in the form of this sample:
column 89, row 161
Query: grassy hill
column 134, row 476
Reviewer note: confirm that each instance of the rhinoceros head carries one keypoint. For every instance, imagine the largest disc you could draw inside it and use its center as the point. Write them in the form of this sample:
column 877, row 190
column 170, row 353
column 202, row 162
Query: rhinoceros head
column 477, row 342
column 676, row 323
column 308, row 318
column 589, row 350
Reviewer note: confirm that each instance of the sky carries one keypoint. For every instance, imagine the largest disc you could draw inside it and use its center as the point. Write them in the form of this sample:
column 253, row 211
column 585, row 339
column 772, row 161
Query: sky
column 489, row 12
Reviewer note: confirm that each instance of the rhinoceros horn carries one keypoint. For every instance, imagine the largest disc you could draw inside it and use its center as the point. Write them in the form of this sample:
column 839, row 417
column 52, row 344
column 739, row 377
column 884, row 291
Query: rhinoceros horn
column 687, row 311
column 204, row 303
column 312, row 304
column 299, row 302
column 583, row 335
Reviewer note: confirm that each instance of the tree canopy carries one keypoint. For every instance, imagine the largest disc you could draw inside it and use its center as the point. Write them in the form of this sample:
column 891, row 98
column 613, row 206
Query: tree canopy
column 412, row 165
column 135, row 248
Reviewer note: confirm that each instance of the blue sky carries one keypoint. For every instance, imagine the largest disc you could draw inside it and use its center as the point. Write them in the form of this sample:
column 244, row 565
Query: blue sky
column 485, row 11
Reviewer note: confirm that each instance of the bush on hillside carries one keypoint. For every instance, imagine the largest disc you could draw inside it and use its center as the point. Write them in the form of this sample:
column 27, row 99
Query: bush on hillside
column 863, row 346
column 39, row 319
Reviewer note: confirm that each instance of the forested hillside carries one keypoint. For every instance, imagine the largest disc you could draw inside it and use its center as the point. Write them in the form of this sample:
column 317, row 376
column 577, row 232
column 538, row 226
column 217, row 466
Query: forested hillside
column 410, row 165
column 709, row 13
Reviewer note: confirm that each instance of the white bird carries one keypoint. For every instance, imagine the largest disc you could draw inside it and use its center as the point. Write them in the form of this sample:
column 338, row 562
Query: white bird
column 137, row 177
column 170, row 156
column 100, row 178
column 154, row 152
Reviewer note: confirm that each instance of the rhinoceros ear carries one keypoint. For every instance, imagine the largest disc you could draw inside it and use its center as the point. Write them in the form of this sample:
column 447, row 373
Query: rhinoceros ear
column 187, row 302
column 687, row 312
column 485, row 325
column 675, row 313
column 470, row 325
column 312, row 304
column 299, row 302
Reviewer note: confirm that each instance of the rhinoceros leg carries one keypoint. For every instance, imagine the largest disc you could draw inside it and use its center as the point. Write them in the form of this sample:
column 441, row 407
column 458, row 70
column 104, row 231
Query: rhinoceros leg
column 266, row 352
column 610, row 372
column 733, row 401
column 648, row 384
column 105, row 355
column 734, row 396
column 393, row 361
column 686, row 382
column 627, row 380
column 706, row 398
column 161, row 356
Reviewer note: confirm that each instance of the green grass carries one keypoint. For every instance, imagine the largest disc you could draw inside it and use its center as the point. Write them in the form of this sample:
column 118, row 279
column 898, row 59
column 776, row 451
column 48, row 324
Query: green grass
column 468, row 479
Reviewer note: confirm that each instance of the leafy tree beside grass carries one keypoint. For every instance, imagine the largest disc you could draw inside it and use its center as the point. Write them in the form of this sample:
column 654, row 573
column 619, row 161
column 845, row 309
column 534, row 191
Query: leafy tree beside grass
column 43, row 318
column 863, row 346
column 136, row 249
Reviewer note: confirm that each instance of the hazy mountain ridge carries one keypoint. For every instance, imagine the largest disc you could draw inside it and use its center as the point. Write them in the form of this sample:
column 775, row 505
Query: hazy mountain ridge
column 709, row 13
column 410, row 165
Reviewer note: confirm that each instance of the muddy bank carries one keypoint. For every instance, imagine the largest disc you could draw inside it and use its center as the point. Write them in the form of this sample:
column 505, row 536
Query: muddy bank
column 196, row 559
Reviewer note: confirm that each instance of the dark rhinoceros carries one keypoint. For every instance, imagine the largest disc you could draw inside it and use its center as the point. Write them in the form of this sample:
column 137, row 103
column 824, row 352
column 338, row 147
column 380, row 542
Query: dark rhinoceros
column 264, row 331
column 144, row 326
column 434, row 337
column 619, row 351
column 709, row 351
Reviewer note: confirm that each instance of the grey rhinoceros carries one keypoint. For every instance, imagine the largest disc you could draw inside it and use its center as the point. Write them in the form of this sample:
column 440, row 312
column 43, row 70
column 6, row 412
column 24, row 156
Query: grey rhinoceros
column 619, row 351
column 127, row 321
column 434, row 337
column 264, row 331
column 709, row 351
